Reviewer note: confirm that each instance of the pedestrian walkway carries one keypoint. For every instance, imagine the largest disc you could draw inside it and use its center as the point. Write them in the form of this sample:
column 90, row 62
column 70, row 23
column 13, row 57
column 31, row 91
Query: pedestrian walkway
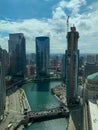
column 14, row 109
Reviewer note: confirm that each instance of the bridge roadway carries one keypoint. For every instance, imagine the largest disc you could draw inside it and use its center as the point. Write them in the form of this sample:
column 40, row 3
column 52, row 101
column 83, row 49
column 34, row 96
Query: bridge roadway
column 23, row 81
column 38, row 116
column 16, row 84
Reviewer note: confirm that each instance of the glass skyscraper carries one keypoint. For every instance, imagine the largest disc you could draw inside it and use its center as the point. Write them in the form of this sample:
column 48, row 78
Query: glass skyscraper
column 42, row 56
column 17, row 54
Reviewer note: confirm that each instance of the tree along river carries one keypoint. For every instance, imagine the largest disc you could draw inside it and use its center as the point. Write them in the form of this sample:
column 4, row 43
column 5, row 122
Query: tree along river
column 40, row 98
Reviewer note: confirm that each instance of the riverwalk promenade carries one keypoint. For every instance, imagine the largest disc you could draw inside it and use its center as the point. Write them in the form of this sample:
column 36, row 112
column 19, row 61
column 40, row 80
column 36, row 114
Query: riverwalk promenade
column 60, row 94
column 16, row 103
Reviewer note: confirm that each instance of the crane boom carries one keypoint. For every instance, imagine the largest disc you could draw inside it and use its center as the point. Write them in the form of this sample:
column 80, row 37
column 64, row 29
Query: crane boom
column 67, row 23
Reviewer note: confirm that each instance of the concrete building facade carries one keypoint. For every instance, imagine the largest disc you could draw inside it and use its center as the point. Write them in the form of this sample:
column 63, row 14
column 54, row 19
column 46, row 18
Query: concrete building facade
column 93, row 114
column 96, row 58
column 92, row 86
column 2, row 84
column 91, row 59
column 72, row 57
column 63, row 67
column 90, row 69
column 30, row 70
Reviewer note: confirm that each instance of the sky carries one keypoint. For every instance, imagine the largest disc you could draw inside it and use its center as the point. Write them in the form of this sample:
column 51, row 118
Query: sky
column 48, row 18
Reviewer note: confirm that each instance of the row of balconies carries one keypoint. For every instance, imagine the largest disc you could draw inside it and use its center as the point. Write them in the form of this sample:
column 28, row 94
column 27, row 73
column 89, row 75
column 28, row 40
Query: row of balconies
column 92, row 87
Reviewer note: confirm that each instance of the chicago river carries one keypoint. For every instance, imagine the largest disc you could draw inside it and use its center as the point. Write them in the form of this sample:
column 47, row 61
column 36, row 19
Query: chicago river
column 40, row 98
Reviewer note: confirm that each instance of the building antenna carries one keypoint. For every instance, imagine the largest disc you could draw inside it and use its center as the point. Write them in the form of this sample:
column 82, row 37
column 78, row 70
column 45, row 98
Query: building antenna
column 67, row 24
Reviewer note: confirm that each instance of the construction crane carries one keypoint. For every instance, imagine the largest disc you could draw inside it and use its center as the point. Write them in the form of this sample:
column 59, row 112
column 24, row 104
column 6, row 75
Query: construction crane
column 67, row 23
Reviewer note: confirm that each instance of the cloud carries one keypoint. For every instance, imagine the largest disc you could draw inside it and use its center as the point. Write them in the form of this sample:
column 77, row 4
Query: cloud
column 3, row 42
column 72, row 5
column 55, row 27
column 33, row 28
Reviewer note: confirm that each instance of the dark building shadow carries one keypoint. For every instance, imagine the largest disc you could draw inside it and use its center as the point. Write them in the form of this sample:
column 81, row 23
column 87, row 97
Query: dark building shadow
column 77, row 119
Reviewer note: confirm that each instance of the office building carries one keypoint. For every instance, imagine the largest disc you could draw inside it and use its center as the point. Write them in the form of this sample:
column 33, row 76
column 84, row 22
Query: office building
column 30, row 71
column 30, row 59
column 90, row 69
column 72, row 57
column 63, row 67
column 2, row 84
column 91, row 96
column 6, row 61
column 81, row 61
column 96, row 58
column 17, row 52
column 42, row 56
column 91, row 59
column 92, row 114
column 92, row 86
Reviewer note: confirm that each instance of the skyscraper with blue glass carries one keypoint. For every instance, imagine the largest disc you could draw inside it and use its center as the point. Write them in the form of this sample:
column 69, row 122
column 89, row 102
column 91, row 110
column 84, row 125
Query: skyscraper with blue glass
column 72, row 56
column 42, row 56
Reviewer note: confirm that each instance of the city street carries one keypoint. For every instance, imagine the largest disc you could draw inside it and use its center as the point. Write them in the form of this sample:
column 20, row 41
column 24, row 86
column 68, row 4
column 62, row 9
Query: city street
column 13, row 112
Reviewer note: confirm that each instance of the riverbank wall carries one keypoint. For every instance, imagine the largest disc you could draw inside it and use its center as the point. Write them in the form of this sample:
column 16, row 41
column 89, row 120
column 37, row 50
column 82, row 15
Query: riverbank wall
column 24, row 101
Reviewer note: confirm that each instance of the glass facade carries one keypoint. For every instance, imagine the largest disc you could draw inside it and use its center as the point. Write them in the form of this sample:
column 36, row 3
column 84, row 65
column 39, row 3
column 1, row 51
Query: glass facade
column 42, row 56
column 17, row 54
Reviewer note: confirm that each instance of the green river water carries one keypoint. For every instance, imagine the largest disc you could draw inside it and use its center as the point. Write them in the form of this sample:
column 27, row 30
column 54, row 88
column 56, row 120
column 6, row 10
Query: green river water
column 40, row 98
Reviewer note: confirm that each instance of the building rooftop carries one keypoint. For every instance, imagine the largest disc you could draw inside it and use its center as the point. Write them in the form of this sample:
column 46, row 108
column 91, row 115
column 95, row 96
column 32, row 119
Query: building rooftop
column 93, row 76
column 93, row 106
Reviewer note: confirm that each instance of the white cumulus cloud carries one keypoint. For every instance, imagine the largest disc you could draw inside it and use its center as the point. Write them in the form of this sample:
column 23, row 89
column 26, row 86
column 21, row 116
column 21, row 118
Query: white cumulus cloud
column 55, row 27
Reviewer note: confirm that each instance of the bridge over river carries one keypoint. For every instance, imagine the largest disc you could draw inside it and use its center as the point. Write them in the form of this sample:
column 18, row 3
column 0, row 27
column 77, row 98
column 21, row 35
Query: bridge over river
column 38, row 116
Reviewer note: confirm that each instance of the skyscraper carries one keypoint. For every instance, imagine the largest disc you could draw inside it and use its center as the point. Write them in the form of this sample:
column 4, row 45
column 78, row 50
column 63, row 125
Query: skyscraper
column 72, row 57
column 63, row 67
column 2, row 83
column 42, row 56
column 17, row 54
column 96, row 58
column 91, row 59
